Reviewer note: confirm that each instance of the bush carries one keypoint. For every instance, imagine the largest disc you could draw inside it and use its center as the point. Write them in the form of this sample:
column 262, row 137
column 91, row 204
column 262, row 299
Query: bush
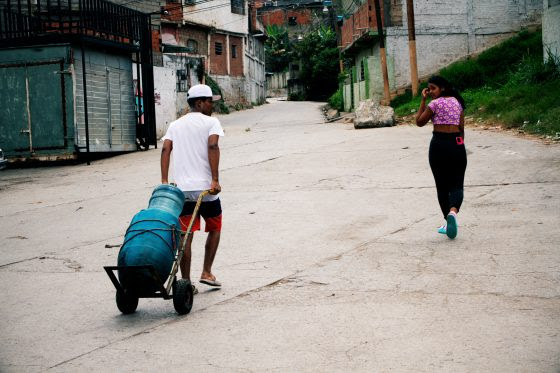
column 336, row 101
column 297, row 96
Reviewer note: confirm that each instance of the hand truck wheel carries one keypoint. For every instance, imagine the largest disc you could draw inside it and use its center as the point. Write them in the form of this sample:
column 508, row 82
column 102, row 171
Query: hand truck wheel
column 182, row 296
column 126, row 302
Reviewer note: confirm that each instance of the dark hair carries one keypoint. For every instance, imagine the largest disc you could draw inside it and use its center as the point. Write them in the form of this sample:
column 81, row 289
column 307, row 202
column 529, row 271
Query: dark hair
column 192, row 101
column 447, row 89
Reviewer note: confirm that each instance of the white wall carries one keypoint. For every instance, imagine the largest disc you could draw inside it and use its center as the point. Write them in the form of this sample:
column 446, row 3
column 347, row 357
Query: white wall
column 551, row 29
column 165, row 91
column 217, row 14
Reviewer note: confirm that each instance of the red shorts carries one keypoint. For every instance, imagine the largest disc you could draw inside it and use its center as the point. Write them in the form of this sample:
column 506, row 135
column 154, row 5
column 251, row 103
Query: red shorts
column 210, row 211
column 212, row 224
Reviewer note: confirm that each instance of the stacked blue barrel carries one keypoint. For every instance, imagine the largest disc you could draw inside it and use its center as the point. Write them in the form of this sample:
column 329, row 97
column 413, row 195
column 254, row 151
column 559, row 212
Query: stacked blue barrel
column 152, row 238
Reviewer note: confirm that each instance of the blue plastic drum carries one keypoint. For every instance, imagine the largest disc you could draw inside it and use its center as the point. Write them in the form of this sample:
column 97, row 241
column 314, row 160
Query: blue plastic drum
column 168, row 198
column 152, row 238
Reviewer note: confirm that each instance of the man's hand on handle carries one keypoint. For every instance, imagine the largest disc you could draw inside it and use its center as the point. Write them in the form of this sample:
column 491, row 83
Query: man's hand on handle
column 215, row 187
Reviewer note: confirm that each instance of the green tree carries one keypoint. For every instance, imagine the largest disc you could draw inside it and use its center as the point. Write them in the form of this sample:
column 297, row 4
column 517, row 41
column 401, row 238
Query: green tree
column 278, row 49
column 318, row 55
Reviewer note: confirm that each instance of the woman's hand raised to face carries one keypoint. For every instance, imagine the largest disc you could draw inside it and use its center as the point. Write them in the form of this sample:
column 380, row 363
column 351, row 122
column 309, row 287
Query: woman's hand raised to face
column 425, row 92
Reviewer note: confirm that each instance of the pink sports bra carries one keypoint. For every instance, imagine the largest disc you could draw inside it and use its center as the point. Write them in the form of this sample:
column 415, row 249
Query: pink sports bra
column 447, row 110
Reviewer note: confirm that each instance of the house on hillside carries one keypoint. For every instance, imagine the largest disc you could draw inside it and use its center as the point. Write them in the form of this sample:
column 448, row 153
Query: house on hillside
column 298, row 17
column 445, row 32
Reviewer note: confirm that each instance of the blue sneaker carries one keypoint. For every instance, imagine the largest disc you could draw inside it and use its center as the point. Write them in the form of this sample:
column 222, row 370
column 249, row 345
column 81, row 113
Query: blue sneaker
column 442, row 229
column 451, row 225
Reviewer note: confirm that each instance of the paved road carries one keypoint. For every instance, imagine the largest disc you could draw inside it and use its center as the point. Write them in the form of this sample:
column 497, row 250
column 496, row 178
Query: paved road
column 330, row 258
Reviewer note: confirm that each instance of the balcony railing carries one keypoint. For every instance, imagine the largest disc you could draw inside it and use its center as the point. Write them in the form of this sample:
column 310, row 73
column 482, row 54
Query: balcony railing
column 96, row 18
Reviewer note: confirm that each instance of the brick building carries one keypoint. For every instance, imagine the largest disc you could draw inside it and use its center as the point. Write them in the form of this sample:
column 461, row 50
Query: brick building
column 298, row 17
column 192, row 38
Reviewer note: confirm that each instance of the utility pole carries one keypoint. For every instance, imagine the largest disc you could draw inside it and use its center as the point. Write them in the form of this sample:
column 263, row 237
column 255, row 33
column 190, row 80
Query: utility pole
column 412, row 47
column 387, row 94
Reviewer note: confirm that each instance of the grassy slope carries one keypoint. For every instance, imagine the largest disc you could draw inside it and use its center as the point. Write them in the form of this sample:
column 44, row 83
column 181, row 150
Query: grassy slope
column 507, row 83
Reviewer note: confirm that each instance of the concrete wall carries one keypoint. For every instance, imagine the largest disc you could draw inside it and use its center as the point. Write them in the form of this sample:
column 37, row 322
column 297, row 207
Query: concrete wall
column 347, row 96
column 277, row 84
column 176, row 62
column 165, row 92
column 255, row 70
column 233, row 89
column 217, row 14
column 551, row 29
column 449, row 30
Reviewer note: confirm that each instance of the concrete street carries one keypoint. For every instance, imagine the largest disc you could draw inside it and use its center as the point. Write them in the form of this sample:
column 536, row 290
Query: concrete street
column 329, row 258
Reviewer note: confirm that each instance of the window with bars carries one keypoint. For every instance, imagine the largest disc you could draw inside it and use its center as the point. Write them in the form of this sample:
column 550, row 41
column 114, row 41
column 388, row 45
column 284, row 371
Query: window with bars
column 238, row 6
column 218, row 47
column 362, row 71
column 233, row 51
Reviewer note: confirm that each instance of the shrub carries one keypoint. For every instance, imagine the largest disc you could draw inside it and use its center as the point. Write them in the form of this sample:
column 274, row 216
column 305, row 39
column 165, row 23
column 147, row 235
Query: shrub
column 336, row 101
column 296, row 96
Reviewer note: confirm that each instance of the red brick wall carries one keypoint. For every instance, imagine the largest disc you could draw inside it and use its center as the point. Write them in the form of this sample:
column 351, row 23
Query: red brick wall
column 236, row 64
column 156, row 41
column 200, row 36
column 218, row 63
column 175, row 12
column 359, row 23
column 303, row 16
column 280, row 16
column 275, row 17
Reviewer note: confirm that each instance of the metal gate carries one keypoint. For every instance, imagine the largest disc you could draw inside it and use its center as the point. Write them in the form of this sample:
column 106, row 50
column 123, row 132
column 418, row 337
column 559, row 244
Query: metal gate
column 33, row 109
column 110, row 98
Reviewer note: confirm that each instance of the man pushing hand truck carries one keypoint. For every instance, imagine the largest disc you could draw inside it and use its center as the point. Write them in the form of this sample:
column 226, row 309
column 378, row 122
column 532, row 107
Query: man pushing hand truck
column 193, row 139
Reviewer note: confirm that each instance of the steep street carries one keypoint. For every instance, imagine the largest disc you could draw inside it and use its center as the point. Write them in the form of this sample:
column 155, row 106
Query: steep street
column 329, row 257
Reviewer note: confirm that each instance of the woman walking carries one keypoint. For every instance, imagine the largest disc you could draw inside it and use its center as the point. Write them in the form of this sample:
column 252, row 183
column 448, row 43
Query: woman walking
column 448, row 158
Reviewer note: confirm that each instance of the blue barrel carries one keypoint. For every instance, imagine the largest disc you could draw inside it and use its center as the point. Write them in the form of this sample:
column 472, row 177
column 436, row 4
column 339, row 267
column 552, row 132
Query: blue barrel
column 152, row 239
column 168, row 198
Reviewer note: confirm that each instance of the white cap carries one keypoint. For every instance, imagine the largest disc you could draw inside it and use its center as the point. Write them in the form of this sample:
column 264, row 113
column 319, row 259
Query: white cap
column 201, row 90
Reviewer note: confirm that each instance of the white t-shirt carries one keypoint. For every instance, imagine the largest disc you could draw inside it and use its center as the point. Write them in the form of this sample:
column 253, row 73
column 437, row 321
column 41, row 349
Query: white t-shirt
column 189, row 134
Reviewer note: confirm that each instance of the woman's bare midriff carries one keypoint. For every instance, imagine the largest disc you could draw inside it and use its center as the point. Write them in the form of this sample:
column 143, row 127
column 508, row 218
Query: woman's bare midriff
column 446, row 128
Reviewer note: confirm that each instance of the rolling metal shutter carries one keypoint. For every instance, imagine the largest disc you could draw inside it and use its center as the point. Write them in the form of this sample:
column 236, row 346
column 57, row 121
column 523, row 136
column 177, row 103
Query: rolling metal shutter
column 110, row 95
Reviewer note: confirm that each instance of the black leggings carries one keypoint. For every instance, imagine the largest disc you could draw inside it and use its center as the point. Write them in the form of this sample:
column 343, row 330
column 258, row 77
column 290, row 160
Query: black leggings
column 448, row 161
